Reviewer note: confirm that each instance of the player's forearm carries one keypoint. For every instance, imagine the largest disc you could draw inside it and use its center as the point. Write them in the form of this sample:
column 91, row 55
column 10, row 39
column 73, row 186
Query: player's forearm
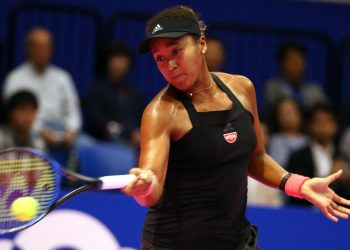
column 266, row 170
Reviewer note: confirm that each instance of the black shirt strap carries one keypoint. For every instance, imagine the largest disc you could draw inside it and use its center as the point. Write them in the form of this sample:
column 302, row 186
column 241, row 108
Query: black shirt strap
column 191, row 110
column 224, row 88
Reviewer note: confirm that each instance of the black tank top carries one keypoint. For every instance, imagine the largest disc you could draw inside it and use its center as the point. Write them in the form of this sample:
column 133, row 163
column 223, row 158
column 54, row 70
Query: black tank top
column 205, row 193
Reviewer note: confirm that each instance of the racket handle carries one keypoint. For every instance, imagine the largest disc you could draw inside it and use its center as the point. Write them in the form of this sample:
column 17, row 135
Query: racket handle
column 115, row 181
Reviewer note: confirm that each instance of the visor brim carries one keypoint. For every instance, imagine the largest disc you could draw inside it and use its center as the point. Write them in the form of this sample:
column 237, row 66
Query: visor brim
column 144, row 46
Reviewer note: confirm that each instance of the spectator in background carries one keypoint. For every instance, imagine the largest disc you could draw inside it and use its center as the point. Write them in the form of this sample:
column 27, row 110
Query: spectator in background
column 291, row 82
column 115, row 104
column 343, row 161
column 344, row 145
column 317, row 158
column 343, row 184
column 58, row 120
column 344, row 109
column 2, row 111
column 20, row 111
column 289, row 136
column 215, row 55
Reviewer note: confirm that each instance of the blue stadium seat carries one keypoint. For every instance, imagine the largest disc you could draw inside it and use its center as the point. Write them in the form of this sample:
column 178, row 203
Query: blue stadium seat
column 103, row 159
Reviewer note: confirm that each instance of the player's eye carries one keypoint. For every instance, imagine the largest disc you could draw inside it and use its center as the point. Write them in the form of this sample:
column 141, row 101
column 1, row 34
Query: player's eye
column 160, row 58
column 176, row 51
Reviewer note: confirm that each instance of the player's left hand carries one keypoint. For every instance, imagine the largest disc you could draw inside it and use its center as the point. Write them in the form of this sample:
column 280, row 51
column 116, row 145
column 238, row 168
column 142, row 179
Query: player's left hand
column 318, row 192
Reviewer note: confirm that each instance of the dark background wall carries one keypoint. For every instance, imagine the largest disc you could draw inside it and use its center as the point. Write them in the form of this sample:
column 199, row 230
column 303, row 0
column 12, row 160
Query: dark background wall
column 331, row 18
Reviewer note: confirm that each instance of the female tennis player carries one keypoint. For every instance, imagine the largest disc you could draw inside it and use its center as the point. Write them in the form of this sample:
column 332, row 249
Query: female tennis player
column 200, row 139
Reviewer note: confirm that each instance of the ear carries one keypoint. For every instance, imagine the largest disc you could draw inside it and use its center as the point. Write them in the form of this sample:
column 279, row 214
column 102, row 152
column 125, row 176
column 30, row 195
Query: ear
column 203, row 44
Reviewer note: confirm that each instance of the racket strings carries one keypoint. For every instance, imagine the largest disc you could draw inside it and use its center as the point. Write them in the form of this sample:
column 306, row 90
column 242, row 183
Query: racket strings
column 22, row 174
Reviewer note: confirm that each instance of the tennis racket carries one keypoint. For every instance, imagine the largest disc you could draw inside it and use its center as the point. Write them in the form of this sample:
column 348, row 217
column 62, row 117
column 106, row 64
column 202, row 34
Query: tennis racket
column 28, row 172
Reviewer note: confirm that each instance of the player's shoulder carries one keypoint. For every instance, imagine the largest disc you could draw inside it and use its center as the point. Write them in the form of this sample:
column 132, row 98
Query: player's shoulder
column 237, row 82
column 163, row 105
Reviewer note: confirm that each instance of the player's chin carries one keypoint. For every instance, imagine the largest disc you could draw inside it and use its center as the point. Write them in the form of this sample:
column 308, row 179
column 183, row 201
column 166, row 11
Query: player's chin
column 180, row 85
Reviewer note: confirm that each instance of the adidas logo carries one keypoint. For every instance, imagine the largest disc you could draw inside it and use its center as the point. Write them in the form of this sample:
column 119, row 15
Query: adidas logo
column 157, row 28
column 228, row 128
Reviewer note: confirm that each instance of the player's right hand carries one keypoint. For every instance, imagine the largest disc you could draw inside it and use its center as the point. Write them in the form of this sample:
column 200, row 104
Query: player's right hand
column 142, row 184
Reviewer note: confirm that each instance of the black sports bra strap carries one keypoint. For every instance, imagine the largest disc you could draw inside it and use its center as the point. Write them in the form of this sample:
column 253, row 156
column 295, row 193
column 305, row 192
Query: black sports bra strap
column 228, row 92
column 191, row 110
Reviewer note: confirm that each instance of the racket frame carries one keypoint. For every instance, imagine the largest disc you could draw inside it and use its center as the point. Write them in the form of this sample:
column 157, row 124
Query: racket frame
column 90, row 184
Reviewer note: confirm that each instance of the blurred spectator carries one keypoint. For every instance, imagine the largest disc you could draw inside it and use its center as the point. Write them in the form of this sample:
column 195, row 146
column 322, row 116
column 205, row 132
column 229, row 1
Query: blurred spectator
column 344, row 145
column 343, row 185
column 2, row 111
column 289, row 136
column 58, row 119
column 114, row 105
column 291, row 82
column 215, row 54
column 258, row 193
column 20, row 111
column 344, row 158
column 344, row 109
column 316, row 158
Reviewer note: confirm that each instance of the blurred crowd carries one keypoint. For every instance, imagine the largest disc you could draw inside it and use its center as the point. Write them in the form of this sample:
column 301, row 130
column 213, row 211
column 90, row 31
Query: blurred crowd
column 41, row 108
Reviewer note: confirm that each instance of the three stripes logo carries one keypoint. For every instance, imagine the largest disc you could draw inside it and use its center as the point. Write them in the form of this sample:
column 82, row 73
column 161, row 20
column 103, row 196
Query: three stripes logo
column 157, row 28
column 230, row 135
